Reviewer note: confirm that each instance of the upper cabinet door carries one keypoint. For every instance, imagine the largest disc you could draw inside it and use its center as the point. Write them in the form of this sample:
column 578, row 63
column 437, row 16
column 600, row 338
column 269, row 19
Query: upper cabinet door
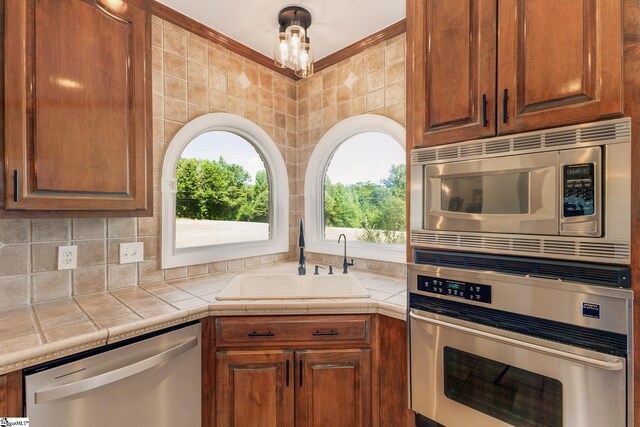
column 460, row 69
column 559, row 62
column 77, row 105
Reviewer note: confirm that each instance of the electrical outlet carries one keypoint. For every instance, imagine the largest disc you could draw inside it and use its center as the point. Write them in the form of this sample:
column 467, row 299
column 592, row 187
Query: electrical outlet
column 131, row 252
column 67, row 257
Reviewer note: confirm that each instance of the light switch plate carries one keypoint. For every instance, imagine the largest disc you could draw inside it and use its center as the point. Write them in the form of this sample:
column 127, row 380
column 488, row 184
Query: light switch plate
column 67, row 257
column 131, row 252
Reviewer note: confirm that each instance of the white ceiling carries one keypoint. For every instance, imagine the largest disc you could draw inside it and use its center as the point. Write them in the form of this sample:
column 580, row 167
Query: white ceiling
column 254, row 23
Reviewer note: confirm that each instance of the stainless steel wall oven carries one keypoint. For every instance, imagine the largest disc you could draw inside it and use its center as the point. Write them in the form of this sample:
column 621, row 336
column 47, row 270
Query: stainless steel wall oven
column 494, row 340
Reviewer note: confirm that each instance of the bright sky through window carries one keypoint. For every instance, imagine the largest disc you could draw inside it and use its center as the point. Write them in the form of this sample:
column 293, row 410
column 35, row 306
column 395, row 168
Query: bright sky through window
column 233, row 148
column 365, row 157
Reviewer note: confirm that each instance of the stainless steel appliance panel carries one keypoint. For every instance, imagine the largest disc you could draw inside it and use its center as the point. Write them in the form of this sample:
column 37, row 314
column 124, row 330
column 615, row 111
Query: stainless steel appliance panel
column 150, row 383
column 514, row 195
column 593, row 390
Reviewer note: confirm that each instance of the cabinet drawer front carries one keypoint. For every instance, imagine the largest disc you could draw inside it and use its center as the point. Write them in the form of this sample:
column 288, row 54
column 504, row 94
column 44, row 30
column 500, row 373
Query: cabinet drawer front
column 265, row 331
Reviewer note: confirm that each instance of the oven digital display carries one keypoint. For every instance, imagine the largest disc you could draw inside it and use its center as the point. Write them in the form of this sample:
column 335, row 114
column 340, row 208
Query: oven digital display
column 578, row 193
column 455, row 288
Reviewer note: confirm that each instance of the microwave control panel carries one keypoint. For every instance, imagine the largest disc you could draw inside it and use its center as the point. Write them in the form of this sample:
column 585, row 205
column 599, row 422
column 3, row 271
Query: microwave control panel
column 578, row 190
column 455, row 288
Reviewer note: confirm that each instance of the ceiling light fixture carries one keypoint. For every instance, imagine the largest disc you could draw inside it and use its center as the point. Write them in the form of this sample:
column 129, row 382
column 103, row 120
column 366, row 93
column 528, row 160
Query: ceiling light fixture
column 293, row 46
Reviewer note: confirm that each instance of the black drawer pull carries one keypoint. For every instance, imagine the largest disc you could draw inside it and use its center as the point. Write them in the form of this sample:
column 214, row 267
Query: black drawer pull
column 505, row 103
column 16, row 196
column 485, row 121
column 262, row 334
column 325, row 333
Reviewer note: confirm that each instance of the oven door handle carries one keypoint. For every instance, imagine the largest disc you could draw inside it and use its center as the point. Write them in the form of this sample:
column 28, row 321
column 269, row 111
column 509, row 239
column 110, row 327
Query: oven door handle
column 614, row 365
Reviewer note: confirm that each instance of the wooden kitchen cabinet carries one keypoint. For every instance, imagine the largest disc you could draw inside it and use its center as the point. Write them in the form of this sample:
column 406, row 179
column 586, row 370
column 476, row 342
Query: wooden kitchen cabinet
column 11, row 394
column 558, row 63
column 333, row 388
column 77, row 98
column 293, row 370
column 255, row 388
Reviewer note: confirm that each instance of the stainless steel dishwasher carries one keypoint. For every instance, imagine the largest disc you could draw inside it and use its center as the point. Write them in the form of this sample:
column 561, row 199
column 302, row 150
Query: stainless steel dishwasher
column 151, row 382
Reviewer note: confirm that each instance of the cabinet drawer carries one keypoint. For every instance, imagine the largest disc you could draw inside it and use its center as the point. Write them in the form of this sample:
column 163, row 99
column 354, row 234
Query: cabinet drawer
column 292, row 330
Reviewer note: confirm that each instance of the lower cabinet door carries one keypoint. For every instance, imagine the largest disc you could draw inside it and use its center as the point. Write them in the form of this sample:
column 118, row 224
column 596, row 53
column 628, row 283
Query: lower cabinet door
column 254, row 389
column 333, row 388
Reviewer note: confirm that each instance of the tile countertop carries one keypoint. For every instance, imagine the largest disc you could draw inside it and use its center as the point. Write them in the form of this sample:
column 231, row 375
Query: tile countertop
column 33, row 334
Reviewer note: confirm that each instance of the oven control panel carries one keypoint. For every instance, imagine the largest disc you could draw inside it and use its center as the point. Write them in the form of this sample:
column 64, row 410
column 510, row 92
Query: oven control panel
column 455, row 288
column 578, row 190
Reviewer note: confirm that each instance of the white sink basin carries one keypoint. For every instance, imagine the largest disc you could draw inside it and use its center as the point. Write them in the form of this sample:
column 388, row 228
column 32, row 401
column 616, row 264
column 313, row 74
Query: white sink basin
column 291, row 286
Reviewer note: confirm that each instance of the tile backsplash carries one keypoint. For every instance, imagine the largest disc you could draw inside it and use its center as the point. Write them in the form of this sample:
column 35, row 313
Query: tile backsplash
column 191, row 77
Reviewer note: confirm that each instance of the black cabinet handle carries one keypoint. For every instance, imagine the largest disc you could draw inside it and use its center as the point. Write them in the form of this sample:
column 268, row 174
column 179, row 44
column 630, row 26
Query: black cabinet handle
column 485, row 121
column 261, row 334
column 505, row 102
column 325, row 333
column 287, row 374
column 16, row 197
column 300, row 373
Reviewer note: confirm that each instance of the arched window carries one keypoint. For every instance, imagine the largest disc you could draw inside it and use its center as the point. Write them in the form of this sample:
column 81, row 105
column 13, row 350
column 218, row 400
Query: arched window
column 356, row 184
column 224, row 193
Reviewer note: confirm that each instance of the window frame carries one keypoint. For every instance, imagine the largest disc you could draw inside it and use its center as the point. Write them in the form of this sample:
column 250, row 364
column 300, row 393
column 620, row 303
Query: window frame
column 278, row 194
column 314, row 188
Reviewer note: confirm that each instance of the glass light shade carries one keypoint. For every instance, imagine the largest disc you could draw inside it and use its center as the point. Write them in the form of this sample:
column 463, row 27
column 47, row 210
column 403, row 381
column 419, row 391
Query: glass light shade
column 304, row 65
column 281, row 50
column 295, row 35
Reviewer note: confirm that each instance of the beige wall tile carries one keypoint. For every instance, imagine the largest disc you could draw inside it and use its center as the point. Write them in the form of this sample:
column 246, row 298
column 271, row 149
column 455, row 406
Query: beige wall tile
column 89, row 280
column 175, row 110
column 50, row 230
column 157, row 107
column 198, row 270
column 394, row 73
column 121, row 227
column 196, row 51
column 14, row 291
column 235, row 264
column 235, row 105
column 198, row 95
column 121, row 276
column 217, row 58
column 157, row 83
column 50, row 285
column 394, row 94
column 148, row 226
column 395, row 51
column 217, row 101
column 151, row 246
column 375, row 80
column 43, row 258
column 175, row 273
column 171, row 128
column 175, row 88
column 14, row 231
column 375, row 100
column 149, row 271
column 175, row 42
column 175, row 65
column 156, row 59
column 375, row 60
column 217, row 267
column 91, row 252
column 195, row 111
column 156, row 35
column 197, row 73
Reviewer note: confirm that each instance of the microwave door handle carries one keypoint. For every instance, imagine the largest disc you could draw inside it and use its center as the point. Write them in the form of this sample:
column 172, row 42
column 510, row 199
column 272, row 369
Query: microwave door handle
column 614, row 365
column 101, row 380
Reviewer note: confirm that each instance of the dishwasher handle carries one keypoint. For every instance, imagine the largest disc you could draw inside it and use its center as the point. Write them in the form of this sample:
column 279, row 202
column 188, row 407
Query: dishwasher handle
column 101, row 380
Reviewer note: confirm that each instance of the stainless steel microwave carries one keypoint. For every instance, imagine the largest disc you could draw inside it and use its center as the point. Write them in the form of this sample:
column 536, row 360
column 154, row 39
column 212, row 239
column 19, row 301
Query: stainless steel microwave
column 558, row 193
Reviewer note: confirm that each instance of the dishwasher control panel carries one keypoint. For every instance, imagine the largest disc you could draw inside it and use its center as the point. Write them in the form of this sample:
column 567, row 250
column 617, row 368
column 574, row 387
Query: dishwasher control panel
column 455, row 288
